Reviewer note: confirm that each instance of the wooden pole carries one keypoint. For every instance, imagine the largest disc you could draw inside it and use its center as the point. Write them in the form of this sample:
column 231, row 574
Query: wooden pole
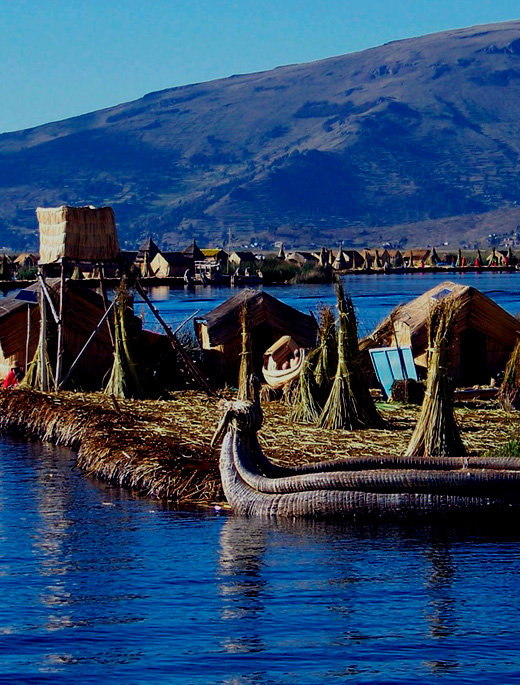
column 43, row 337
column 195, row 372
column 28, row 337
column 48, row 297
column 104, row 295
column 87, row 345
column 59, row 354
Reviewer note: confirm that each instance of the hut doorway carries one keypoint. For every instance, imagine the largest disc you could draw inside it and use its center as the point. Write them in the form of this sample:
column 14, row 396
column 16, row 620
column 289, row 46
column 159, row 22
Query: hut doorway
column 262, row 337
column 473, row 357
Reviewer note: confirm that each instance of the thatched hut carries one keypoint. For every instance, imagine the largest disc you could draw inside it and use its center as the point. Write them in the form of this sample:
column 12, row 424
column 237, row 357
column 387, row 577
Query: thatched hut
column 219, row 333
column 77, row 234
column 242, row 260
column 170, row 264
column 20, row 330
column 301, row 258
column 484, row 334
column 145, row 257
column 416, row 257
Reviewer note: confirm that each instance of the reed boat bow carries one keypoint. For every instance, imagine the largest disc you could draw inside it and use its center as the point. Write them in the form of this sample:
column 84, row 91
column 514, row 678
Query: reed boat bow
column 375, row 486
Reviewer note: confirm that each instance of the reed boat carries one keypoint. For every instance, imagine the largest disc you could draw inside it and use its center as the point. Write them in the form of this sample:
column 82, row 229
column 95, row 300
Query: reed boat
column 283, row 362
column 376, row 486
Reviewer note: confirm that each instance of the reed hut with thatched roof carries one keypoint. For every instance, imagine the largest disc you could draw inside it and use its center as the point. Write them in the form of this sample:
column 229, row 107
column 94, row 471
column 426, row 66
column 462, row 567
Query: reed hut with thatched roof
column 170, row 264
column 484, row 334
column 219, row 332
column 145, row 256
column 77, row 234
column 20, row 330
column 416, row 257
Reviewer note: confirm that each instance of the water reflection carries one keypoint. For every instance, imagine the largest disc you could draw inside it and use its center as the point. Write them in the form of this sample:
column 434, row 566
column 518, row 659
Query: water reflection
column 373, row 594
column 242, row 551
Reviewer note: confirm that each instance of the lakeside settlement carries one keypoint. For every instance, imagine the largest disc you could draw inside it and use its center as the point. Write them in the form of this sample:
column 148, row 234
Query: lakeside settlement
column 140, row 408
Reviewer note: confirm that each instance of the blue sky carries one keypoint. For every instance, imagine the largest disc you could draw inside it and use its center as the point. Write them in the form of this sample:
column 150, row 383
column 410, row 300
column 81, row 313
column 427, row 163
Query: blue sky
column 61, row 58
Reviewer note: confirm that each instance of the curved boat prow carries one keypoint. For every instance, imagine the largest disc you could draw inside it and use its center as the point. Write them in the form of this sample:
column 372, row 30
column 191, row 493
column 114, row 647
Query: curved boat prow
column 375, row 486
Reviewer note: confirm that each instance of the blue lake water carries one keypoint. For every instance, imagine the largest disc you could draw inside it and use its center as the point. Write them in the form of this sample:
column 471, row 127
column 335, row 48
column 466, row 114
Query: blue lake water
column 101, row 586
column 373, row 295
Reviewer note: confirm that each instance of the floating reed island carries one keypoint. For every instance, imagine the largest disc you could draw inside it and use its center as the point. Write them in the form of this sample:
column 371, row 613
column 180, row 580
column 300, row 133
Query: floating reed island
column 161, row 448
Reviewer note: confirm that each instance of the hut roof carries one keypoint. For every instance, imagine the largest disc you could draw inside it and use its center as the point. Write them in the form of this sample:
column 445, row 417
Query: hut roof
column 176, row 259
column 476, row 310
column 213, row 252
column 24, row 257
column 418, row 254
column 243, row 256
column 150, row 248
column 302, row 257
column 77, row 233
column 223, row 323
column 194, row 252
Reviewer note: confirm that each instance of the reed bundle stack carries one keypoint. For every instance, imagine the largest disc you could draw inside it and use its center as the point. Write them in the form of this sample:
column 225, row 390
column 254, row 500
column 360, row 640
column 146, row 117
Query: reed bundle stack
column 306, row 407
column 327, row 360
column 349, row 405
column 509, row 394
column 36, row 377
column 436, row 433
column 246, row 356
column 130, row 376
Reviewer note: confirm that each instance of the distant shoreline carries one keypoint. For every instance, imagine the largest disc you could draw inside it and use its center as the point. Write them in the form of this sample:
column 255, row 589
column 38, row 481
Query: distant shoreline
column 178, row 281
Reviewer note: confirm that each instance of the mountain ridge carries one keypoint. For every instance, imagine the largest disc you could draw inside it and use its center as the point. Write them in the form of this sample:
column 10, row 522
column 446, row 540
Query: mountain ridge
column 397, row 143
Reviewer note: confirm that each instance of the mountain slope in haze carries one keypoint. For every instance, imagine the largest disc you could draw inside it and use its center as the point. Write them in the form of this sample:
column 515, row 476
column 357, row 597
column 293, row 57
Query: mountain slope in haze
column 415, row 140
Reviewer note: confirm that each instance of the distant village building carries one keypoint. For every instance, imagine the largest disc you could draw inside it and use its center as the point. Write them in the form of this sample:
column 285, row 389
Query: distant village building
column 25, row 261
column 194, row 253
column 215, row 255
column 416, row 257
column 145, row 256
column 301, row 258
column 170, row 264
column 242, row 260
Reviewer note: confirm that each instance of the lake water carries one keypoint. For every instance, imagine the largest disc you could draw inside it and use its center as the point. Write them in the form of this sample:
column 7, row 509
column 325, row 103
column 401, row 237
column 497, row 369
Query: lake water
column 101, row 586
column 374, row 295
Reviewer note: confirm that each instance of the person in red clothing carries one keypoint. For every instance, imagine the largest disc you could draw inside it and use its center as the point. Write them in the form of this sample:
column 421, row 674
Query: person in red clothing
column 14, row 376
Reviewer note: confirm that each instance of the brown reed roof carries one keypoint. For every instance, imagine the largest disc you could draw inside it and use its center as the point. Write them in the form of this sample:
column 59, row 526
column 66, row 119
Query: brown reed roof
column 475, row 310
column 223, row 324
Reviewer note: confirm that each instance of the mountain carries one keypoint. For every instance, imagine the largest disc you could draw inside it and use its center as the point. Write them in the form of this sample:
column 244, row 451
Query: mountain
column 415, row 142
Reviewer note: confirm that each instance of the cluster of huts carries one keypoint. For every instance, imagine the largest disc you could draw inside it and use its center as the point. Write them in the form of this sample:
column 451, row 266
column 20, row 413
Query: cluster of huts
column 484, row 336
column 387, row 259
column 192, row 264
column 79, row 336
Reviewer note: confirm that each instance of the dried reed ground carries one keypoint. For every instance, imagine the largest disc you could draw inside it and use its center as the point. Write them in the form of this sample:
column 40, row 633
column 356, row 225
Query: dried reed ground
column 161, row 448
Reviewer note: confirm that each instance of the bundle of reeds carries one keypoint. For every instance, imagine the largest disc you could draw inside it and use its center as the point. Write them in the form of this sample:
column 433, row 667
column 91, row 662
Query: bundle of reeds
column 40, row 374
column 130, row 376
column 509, row 393
column 37, row 378
column 327, row 359
column 246, row 358
column 306, row 407
column 436, row 433
column 349, row 405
